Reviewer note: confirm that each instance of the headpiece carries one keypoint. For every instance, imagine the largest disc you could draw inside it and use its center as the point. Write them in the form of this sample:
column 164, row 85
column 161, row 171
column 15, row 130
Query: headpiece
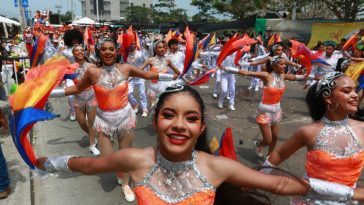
column 344, row 64
column 327, row 83
column 276, row 46
column 276, row 59
column 103, row 40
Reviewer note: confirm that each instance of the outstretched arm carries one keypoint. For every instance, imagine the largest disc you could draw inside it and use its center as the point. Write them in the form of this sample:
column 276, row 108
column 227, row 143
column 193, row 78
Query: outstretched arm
column 121, row 161
column 174, row 68
column 86, row 81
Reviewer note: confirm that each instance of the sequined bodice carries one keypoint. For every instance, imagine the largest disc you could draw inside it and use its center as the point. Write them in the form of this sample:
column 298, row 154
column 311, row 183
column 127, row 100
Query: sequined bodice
column 277, row 82
column 337, row 155
column 174, row 182
column 136, row 58
column 338, row 139
column 111, row 77
column 81, row 70
column 160, row 64
column 272, row 93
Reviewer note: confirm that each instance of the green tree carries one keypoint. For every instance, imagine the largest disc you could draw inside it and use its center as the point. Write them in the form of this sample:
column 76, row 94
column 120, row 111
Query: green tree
column 166, row 11
column 68, row 16
column 138, row 14
column 344, row 9
column 236, row 9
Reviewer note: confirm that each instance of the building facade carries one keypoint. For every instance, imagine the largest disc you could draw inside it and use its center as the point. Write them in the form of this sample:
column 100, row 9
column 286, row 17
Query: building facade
column 110, row 9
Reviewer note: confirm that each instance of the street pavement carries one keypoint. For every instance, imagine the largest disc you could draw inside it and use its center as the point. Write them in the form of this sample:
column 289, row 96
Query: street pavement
column 61, row 136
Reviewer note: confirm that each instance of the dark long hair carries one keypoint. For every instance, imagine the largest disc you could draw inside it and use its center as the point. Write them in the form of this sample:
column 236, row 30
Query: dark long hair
column 170, row 91
column 315, row 101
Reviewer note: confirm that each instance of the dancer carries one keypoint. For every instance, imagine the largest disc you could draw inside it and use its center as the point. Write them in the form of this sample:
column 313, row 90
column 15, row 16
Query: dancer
column 334, row 142
column 85, row 102
column 269, row 109
column 136, row 58
column 228, row 83
column 71, row 38
column 159, row 64
column 115, row 119
column 174, row 172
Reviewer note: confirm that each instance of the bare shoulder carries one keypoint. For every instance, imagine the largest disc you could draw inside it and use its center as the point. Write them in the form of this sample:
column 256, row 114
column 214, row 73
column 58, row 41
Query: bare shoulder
column 308, row 133
column 140, row 157
column 358, row 127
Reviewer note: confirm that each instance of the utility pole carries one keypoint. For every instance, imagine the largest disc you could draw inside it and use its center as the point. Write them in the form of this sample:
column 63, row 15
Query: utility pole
column 22, row 21
column 97, row 11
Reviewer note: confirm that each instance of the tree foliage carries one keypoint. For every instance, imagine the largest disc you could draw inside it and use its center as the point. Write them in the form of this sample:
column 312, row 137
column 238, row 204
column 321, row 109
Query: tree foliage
column 139, row 14
column 166, row 11
column 68, row 16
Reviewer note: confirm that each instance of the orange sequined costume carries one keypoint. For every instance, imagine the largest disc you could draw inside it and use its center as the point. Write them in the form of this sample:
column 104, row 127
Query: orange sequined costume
column 269, row 109
column 86, row 99
column 159, row 66
column 337, row 156
column 114, row 115
column 177, row 183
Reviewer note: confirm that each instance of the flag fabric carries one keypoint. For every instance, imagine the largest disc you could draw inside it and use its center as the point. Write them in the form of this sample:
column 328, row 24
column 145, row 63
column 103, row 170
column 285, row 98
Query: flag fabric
column 225, row 146
column 275, row 38
column 351, row 42
column 300, row 51
column 240, row 53
column 169, row 35
column 213, row 39
column 360, row 82
column 38, row 50
column 204, row 78
column 137, row 40
column 233, row 45
column 87, row 38
column 28, row 101
column 128, row 39
column 205, row 42
column 354, row 71
column 191, row 50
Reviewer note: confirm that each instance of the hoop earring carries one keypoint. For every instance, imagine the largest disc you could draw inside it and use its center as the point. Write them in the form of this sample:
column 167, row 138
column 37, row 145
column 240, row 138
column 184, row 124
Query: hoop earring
column 329, row 108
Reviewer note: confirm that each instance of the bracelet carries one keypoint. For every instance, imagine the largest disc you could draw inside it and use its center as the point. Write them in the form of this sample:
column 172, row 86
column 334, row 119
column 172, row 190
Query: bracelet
column 57, row 164
column 266, row 168
column 300, row 77
column 232, row 70
column 331, row 190
column 60, row 92
column 165, row 77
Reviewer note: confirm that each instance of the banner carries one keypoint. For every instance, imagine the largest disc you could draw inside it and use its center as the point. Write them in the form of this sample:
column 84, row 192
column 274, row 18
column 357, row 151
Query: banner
column 25, row 3
column 333, row 31
column 16, row 3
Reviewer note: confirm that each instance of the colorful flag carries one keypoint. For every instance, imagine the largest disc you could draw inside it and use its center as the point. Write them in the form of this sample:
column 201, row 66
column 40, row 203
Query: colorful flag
column 169, row 35
column 351, row 42
column 191, row 50
column 38, row 50
column 203, row 79
column 27, row 104
column 225, row 147
column 213, row 40
column 240, row 53
column 205, row 42
column 128, row 39
column 300, row 51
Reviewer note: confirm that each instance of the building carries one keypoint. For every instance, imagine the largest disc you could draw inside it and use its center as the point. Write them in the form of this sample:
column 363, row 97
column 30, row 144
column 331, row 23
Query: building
column 110, row 9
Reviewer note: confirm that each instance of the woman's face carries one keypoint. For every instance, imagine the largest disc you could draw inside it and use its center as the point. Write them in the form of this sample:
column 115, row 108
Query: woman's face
column 329, row 50
column 279, row 67
column 345, row 96
column 178, row 125
column 78, row 53
column 278, row 51
column 108, row 53
column 160, row 49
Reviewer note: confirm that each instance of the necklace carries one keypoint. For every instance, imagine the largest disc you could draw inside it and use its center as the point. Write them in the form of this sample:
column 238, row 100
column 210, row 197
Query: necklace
column 328, row 122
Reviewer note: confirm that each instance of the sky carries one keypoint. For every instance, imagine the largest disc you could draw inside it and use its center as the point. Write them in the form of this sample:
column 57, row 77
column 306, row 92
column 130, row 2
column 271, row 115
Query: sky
column 7, row 6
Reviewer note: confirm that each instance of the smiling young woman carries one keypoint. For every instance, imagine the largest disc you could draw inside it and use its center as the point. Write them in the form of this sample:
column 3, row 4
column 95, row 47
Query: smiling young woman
column 334, row 142
column 174, row 172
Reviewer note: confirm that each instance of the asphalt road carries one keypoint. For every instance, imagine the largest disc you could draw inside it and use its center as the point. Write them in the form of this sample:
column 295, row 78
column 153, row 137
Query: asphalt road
column 61, row 136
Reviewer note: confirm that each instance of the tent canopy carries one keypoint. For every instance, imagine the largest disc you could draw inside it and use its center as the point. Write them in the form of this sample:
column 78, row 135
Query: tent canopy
column 84, row 20
column 8, row 21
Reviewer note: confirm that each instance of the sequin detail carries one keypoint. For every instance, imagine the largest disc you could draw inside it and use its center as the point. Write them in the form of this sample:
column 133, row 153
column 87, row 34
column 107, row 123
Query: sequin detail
column 111, row 77
column 174, row 182
column 338, row 139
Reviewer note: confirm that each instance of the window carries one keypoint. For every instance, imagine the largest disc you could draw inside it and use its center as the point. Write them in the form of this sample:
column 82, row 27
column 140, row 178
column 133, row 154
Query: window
column 131, row 4
column 143, row 5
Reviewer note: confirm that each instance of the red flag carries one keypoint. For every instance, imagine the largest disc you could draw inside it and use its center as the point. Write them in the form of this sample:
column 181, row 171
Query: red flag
column 203, row 79
column 300, row 51
column 191, row 49
column 240, row 53
column 227, row 148
column 128, row 39
column 351, row 41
